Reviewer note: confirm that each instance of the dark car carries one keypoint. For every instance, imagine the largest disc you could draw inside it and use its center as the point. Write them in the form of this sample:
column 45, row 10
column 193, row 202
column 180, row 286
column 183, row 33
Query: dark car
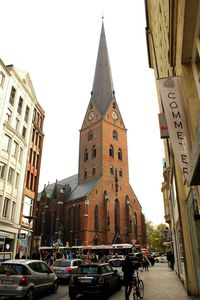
column 94, row 278
column 64, row 267
column 23, row 278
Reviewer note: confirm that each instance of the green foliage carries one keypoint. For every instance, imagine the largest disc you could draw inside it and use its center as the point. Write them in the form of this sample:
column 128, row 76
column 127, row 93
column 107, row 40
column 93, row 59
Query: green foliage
column 155, row 237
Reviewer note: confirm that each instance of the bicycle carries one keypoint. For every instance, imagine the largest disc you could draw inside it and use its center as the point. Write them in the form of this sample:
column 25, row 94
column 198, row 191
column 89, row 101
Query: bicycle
column 138, row 287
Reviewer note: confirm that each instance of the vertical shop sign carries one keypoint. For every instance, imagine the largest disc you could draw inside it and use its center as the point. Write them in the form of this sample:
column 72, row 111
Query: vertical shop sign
column 172, row 96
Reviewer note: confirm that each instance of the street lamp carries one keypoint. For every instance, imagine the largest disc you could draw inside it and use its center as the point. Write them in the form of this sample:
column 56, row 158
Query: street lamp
column 29, row 218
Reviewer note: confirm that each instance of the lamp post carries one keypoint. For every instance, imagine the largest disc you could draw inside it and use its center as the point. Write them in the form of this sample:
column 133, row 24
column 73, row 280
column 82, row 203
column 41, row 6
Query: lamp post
column 29, row 218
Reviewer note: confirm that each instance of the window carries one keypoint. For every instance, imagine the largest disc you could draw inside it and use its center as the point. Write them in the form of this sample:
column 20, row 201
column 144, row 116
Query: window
column 91, row 106
column 135, row 231
column 27, row 179
column 8, row 115
column 36, row 138
column 114, row 105
column 2, row 79
column 37, row 161
column 34, row 158
column 30, row 156
column 24, row 131
column 17, row 180
column 2, row 169
column 20, row 154
column 39, row 143
column 120, row 154
column 28, row 205
column 96, row 218
column 12, row 96
column 85, row 173
column 111, row 151
column 6, row 143
column 6, row 207
column 116, row 216
column 120, row 172
column 14, row 148
column 13, row 211
column 20, row 104
column 111, row 170
column 33, row 135
column 31, row 184
column 26, row 114
column 86, row 155
column 16, row 124
column 115, row 135
column 93, row 170
column 90, row 135
column 94, row 151
column 11, row 175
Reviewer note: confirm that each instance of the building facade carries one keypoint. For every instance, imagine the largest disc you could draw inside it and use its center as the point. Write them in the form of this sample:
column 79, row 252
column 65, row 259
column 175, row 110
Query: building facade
column 173, row 43
column 98, row 205
column 17, row 105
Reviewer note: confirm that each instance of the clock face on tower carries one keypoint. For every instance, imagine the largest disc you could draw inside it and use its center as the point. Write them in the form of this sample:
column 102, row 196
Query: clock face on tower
column 91, row 115
column 114, row 115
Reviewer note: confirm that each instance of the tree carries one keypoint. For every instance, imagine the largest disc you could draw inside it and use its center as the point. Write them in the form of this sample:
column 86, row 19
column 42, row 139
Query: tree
column 155, row 237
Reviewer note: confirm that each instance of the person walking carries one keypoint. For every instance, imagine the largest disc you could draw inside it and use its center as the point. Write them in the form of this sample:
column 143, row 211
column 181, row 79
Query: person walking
column 170, row 258
column 128, row 270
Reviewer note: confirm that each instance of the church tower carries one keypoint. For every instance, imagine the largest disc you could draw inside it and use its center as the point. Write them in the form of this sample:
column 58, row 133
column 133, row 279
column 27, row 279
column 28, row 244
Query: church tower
column 103, row 136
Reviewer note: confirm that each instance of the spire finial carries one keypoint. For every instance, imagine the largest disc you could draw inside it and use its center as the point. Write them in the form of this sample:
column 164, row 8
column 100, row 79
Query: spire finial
column 102, row 17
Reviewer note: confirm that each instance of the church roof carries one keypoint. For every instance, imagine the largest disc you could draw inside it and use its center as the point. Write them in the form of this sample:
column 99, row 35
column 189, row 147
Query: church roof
column 103, row 91
column 77, row 190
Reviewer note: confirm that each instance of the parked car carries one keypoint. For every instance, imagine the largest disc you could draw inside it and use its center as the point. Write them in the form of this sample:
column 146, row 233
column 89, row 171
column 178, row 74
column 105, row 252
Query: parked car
column 116, row 264
column 94, row 278
column 24, row 278
column 161, row 259
column 64, row 267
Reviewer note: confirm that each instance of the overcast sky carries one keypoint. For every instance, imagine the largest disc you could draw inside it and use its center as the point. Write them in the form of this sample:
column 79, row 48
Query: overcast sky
column 56, row 42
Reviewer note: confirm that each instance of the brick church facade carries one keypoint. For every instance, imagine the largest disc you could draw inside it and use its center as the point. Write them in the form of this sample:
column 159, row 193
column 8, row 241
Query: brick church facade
column 98, row 205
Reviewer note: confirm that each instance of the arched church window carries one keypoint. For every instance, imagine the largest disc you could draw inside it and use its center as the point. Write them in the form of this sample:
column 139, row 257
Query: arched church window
column 111, row 170
column 93, row 170
column 94, row 151
column 86, row 155
column 120, row 154
column 85, row 173
column 90, row 135
column 135, row 230
column 115, row 135
column 120, row 172
column 96, row 218
column 117, row 216
column 111, row 151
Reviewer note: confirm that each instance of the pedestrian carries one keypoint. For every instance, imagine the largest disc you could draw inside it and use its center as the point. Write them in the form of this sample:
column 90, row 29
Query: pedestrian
column 128, row 270
column 170, row 258
column 145, row 263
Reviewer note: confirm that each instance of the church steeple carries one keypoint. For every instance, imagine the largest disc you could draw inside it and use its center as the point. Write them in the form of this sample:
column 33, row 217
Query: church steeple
column 103, row 91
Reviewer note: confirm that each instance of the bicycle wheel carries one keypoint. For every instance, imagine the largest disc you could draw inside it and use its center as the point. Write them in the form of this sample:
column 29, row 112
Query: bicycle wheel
column 141, row 288
column 135, row 293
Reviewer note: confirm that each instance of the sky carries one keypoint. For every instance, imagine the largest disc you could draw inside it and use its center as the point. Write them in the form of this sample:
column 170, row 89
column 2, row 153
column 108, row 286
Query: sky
column 56, row 42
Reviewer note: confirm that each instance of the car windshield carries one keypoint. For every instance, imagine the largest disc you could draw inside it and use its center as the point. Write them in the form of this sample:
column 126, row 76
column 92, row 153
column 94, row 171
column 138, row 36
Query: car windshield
column 116, row 263
column 13, row 269
column 62, row 263
column 87, row 270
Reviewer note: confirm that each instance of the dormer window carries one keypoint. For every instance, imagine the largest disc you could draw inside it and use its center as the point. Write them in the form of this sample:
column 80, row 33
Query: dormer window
column 111, row 151
column 115, row 135
column 86, row 155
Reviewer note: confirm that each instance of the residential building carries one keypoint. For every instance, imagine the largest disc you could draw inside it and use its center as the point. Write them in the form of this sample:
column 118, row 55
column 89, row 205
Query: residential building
column 173, row 43
column 98, row 205
column 17, row 104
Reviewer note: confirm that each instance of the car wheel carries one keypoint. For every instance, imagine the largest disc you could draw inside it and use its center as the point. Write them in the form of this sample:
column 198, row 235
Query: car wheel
column 72, row 295
column 55, row 287
column 30, row 294
column 156, row 260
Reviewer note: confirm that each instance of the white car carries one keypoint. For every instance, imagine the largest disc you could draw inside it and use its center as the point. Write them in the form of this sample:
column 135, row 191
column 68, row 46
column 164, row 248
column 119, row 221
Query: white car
column 161, row 259
column 116, row 264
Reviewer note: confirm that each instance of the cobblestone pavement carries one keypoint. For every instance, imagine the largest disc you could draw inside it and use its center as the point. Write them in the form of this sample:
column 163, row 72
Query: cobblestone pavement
column 160, row 283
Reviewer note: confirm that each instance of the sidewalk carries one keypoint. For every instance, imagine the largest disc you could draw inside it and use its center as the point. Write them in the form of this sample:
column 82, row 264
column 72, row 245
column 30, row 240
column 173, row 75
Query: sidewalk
column 160, row 283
